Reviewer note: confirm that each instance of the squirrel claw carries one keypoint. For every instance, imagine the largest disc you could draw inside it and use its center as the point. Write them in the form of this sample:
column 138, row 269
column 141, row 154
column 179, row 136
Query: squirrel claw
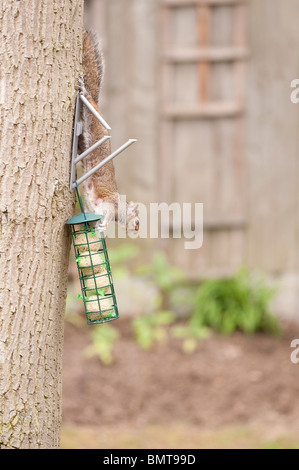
column 81, row 86
column 101, row 227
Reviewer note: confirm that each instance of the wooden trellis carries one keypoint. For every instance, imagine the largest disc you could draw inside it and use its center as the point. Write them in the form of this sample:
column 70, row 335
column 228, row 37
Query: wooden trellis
column 204, row 55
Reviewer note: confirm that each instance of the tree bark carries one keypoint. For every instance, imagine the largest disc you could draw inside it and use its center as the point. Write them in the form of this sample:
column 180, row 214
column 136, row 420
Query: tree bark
column 40, row 56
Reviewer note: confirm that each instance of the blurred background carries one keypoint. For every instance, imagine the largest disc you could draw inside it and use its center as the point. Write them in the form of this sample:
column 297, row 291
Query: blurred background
column 200, row 356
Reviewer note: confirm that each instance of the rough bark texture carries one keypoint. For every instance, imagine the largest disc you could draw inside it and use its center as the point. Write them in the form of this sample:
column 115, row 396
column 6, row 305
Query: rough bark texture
column 40, row 57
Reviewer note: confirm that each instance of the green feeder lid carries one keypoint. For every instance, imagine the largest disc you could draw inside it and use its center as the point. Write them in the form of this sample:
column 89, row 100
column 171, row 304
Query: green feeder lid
column 84, row 217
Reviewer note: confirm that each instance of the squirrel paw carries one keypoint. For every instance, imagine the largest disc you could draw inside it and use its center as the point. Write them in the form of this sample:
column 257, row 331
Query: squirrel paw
column 101, row 227
column 81, row 86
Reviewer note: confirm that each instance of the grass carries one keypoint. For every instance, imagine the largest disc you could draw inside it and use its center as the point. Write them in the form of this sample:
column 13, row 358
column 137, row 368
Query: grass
column 174, row 437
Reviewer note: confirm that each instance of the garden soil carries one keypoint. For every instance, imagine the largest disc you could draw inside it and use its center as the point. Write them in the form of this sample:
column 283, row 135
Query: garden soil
column 228, row 381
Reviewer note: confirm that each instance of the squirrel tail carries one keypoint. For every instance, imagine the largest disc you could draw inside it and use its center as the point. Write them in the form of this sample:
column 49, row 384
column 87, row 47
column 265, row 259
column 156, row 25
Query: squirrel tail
column 93, row 64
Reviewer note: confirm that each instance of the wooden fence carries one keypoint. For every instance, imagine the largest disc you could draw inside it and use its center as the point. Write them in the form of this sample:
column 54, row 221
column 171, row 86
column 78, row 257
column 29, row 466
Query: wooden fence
column 204, row 85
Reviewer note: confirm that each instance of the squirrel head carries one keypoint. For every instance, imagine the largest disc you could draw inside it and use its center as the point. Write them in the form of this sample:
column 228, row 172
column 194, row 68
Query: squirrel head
column 132, row 217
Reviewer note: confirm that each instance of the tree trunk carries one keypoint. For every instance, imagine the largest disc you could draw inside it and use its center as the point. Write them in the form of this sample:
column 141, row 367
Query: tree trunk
column 40, row 55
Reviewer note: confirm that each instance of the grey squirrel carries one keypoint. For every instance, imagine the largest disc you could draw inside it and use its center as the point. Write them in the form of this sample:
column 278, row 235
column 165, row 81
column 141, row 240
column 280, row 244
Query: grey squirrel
column 100, row 190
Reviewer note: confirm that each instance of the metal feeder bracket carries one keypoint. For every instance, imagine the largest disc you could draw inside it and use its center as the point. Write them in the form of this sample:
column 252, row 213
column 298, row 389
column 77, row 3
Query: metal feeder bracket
column 78, row 131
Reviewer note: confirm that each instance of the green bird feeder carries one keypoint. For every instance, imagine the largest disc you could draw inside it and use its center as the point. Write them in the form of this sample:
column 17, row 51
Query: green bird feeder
column 90, row 249
column 93, row 267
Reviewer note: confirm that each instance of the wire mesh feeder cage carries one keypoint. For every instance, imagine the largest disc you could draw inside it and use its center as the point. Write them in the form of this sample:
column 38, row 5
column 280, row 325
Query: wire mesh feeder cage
column 94, row 268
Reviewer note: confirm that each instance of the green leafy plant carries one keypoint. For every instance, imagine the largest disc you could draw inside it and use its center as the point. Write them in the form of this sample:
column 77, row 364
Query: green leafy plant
column 165, row 276
column 240, row 303
column 103, row 339
column 120, row 257
column 150, row 329
column 190, row 334
column 162, row 273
